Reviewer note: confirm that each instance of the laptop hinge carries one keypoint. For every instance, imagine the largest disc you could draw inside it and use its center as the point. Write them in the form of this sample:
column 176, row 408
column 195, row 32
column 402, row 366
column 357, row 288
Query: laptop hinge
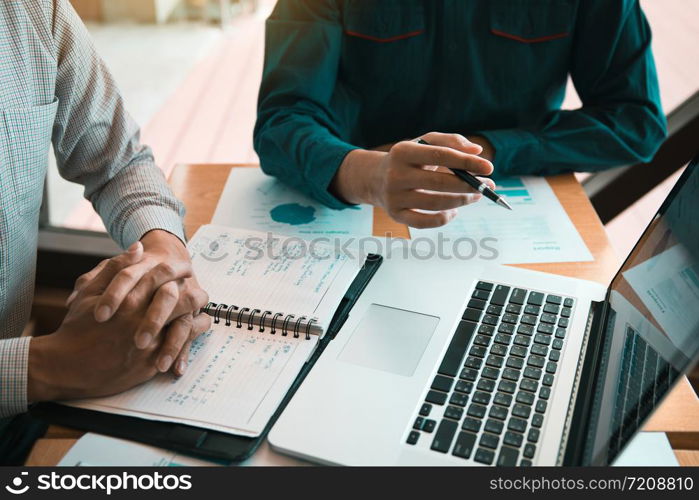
column 572, row 441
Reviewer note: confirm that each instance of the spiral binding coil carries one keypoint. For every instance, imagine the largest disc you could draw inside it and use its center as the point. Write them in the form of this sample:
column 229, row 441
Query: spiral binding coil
column 239, row 322
column 251, row 318
column 285, row 324
column 274, row 322
column 217, row 312
column 262, row 320
column 296, row 326
column 228, row 315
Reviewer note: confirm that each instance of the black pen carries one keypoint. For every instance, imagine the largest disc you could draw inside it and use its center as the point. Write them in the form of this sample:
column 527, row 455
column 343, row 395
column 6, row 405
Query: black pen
column 476, row 184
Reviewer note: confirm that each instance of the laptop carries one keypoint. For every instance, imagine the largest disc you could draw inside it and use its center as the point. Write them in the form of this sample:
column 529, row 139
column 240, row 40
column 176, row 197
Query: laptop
column 448, row 362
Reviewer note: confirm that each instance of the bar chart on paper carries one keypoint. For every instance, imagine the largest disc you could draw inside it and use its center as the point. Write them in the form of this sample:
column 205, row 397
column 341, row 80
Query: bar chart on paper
column 514, row 189
column 536, row 230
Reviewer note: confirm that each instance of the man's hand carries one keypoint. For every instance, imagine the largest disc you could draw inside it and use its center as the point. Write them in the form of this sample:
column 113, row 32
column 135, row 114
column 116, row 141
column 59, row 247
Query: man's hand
column 487, row 149
column 161, row 278
column 406, row 183
column 84, row 358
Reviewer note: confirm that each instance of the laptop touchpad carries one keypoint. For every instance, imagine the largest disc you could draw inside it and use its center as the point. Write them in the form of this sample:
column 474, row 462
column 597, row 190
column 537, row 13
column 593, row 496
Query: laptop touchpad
column 389, row 339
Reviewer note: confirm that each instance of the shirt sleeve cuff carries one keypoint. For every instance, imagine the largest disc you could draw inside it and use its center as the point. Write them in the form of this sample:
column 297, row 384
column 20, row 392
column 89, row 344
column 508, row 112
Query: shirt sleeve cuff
column 515, row 150
column 14, row 362
column 148, row 218
column 333, row 157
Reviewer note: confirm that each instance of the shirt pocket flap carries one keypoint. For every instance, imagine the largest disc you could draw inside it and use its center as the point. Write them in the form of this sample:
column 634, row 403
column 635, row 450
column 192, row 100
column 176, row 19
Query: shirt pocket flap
column 384, row 21
column 531, row 21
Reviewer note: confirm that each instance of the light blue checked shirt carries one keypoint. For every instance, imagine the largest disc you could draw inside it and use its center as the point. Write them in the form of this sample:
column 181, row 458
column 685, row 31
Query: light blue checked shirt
column 54, row 88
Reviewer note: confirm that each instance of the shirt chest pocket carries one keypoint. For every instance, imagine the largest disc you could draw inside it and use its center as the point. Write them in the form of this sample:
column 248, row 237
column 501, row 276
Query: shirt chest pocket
column 531, row 41
column 382, row 40
column 384, row 21
column 27, row 139
column 531, row 21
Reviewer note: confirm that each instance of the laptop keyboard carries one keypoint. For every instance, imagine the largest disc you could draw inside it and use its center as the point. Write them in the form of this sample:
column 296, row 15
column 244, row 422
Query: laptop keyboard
column 491, row 392
column 644, row 378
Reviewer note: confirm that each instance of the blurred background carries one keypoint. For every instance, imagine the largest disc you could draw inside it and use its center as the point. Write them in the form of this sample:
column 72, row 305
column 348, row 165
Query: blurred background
column 190, row 70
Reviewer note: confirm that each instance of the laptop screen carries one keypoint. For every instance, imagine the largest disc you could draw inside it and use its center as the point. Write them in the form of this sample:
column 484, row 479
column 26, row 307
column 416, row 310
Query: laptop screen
column 652, row 334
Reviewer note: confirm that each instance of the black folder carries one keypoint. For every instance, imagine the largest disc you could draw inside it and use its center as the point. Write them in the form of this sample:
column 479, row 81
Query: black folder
column 196, row 441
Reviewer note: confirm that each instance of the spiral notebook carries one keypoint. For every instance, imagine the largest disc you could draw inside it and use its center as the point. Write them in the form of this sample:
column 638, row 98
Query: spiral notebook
column 273, row 298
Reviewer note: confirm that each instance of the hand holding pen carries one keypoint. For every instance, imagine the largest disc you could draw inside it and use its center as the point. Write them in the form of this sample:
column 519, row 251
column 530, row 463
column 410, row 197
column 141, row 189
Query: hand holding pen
column 403, row 179
column 475, row 183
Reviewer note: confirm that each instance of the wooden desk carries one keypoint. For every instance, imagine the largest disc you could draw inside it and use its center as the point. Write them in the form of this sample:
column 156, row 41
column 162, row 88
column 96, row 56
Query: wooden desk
column 200, row 186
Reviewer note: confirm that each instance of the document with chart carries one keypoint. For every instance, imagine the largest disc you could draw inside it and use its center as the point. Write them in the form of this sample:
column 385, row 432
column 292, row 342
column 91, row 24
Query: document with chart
column 253, row 200
column 536, row 230
column 668, row 285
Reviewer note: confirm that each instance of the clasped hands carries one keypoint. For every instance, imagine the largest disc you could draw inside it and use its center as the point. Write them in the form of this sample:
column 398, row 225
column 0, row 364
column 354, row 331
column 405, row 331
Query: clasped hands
column 129, row 318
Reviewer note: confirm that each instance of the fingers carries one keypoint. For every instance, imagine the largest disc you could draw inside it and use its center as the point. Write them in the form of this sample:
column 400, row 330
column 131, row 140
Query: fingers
column 422, row 220
column 120, row 286
column 84, row 280
column 141, row 282
column 192, row 298
column 163, row 273
column 174, row 343
column 202, row 323
column 176, row 335
column 158, row 314
column 438, row 201
column 445, row 182
column 180, row 364
column 454, row 141
column 95, row 281
column 488, row 182
column 444, row 156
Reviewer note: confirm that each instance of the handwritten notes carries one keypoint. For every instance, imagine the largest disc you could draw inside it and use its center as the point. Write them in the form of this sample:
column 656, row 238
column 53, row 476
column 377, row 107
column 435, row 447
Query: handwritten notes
column 229, row 384
column 280, row 274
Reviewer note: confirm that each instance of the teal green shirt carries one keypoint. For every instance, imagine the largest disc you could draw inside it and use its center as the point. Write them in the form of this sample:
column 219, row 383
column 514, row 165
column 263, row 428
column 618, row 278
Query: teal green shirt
column 343, row 74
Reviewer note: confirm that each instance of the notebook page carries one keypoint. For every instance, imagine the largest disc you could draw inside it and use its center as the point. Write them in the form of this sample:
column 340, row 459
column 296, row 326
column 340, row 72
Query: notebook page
column 280, row 274
column 234, row 383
